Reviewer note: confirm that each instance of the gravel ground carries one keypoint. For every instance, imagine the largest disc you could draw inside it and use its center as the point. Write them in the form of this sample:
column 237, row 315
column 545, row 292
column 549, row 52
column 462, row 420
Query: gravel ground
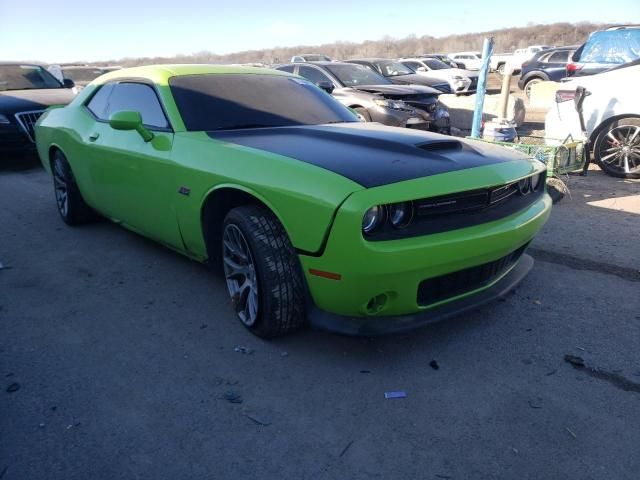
column 118, row 360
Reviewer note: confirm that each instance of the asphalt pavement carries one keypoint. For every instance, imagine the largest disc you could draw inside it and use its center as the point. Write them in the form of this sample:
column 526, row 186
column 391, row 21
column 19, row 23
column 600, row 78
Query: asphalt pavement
column 122, row 359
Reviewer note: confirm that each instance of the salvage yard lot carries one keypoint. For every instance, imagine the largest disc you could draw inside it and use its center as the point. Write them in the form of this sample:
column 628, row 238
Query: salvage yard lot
column 126, row 359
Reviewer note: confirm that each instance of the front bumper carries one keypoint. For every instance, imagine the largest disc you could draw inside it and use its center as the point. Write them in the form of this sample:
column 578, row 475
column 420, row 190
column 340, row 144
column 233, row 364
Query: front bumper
column 13, row 139
column 400, row 118
column 387, row 325
column 393, row 270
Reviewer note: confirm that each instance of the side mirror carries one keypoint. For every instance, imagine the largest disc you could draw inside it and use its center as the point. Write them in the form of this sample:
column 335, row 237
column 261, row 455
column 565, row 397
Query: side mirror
column 68, row 83
column 126, row 120
column 326, row 86
column 421, row 69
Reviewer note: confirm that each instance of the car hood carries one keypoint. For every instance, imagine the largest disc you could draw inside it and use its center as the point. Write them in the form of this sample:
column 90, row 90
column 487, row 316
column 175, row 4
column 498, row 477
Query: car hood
column 370, row 154
column 13, row 101
column 415, row 79
column 397, row 90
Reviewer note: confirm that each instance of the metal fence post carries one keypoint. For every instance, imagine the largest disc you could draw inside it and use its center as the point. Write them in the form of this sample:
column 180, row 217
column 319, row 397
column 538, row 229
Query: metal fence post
column 487, row 50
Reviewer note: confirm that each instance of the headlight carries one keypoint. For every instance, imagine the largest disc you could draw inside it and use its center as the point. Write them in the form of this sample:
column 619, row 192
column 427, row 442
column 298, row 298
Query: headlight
column 373, row 218
column 400, row 214
column 536, row 181
column 393, row 104
column 524, row 185
column 4, row 120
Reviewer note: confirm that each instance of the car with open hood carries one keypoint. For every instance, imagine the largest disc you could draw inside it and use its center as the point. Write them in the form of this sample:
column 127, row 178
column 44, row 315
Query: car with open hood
column 309, row 214
column 376, row 99
column 26, row 91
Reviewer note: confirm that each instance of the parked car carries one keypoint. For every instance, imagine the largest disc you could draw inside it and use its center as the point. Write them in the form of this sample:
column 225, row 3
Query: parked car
column 443, row 58
column 374, row 97
column 546, row 65
column 611, row 111
column 309, row 57
column 469, row 60
column 460, row 81
column 80, row 74
column 400, row 74
column 309, row 213
column 606, row 49
column 26, row 91
column 500, row 61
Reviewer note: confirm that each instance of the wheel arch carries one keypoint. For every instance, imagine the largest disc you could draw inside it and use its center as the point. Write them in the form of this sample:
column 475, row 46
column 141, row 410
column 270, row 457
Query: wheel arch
column 51, row 151
column 535, row 75
column 217, row 202
column 603, row 124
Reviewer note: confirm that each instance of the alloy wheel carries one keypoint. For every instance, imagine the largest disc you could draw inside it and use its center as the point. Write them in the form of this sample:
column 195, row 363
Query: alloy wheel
column 61, row 188
column 240, row 273
column 620, row 149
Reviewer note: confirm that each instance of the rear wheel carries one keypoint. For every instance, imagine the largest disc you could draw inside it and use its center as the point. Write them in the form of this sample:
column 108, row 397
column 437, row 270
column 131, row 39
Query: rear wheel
column 262, row 272
column 501, row 68
column 617, row 148
column 71, row 206
column 529, row 84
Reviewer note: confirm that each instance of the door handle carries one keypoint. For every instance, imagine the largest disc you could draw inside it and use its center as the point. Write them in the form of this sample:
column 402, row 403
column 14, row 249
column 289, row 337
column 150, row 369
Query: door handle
column 93, row 137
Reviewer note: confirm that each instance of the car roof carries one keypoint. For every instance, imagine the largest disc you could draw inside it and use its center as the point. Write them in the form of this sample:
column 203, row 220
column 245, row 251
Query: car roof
column 373, row 59
column 160, row 74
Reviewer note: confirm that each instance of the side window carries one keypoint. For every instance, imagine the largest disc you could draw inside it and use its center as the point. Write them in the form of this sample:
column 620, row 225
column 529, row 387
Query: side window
column 313, row 74
column 139, row 98
column 558, row 57
column 98, row 103
column 287, row 68
column 412, row 65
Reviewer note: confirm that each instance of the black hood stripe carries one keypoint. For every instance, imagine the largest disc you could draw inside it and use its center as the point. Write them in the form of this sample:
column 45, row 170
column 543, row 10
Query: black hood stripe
column 368, row 154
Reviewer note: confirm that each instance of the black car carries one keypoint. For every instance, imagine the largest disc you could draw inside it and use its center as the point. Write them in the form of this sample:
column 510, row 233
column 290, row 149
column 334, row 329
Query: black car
column 400, row 74
column 26, row 91
column 374, row 97
column 546, row 65
column 604, row 50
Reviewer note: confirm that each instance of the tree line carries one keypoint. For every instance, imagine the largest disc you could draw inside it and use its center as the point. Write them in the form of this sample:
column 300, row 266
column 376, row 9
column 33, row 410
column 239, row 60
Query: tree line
column 507, row 39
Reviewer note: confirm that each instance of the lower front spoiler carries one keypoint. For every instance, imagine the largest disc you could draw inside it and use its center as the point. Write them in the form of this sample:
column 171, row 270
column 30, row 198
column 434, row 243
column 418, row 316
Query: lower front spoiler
column 373, row 326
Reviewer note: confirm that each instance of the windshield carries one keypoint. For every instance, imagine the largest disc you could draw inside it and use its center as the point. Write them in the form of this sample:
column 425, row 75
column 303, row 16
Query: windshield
column 612, row 46
column 26, row 77
column 435, row 64
column 235, row 101
column 355, row 75
column 393, row 69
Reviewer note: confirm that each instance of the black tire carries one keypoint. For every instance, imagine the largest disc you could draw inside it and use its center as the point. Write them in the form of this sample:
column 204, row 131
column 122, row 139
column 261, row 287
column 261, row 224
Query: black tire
column 277, row 276
column 556, row 189
column 613, row 139
column 71, row 206
column 363, row 113
column 500, row 69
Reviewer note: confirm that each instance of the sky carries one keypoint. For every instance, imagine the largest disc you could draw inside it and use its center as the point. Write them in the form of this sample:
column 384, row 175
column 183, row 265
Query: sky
column 72, row 30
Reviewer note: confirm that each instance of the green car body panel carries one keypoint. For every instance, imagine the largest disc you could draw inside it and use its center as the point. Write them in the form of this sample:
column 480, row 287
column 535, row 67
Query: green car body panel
column 142, row 186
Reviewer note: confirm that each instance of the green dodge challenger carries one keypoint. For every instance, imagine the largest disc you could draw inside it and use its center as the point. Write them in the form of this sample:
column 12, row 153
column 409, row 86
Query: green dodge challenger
column 312, row 215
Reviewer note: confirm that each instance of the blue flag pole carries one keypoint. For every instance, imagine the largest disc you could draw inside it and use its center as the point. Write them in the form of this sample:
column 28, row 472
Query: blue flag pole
column 487, row 51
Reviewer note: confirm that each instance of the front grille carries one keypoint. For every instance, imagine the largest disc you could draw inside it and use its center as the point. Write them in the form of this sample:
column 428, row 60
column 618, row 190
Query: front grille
column 27, row 121
column 436, row 289
column 445, row 213
column 474, row 84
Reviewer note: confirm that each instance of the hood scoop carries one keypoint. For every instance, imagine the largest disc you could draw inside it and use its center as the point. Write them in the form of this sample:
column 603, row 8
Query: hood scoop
column 441, row 146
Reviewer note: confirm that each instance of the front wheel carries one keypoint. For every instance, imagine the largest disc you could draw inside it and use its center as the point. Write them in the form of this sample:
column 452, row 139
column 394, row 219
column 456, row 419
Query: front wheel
column 617, row 148
column 363, row 115
column 500, row 69
column 262, row 272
